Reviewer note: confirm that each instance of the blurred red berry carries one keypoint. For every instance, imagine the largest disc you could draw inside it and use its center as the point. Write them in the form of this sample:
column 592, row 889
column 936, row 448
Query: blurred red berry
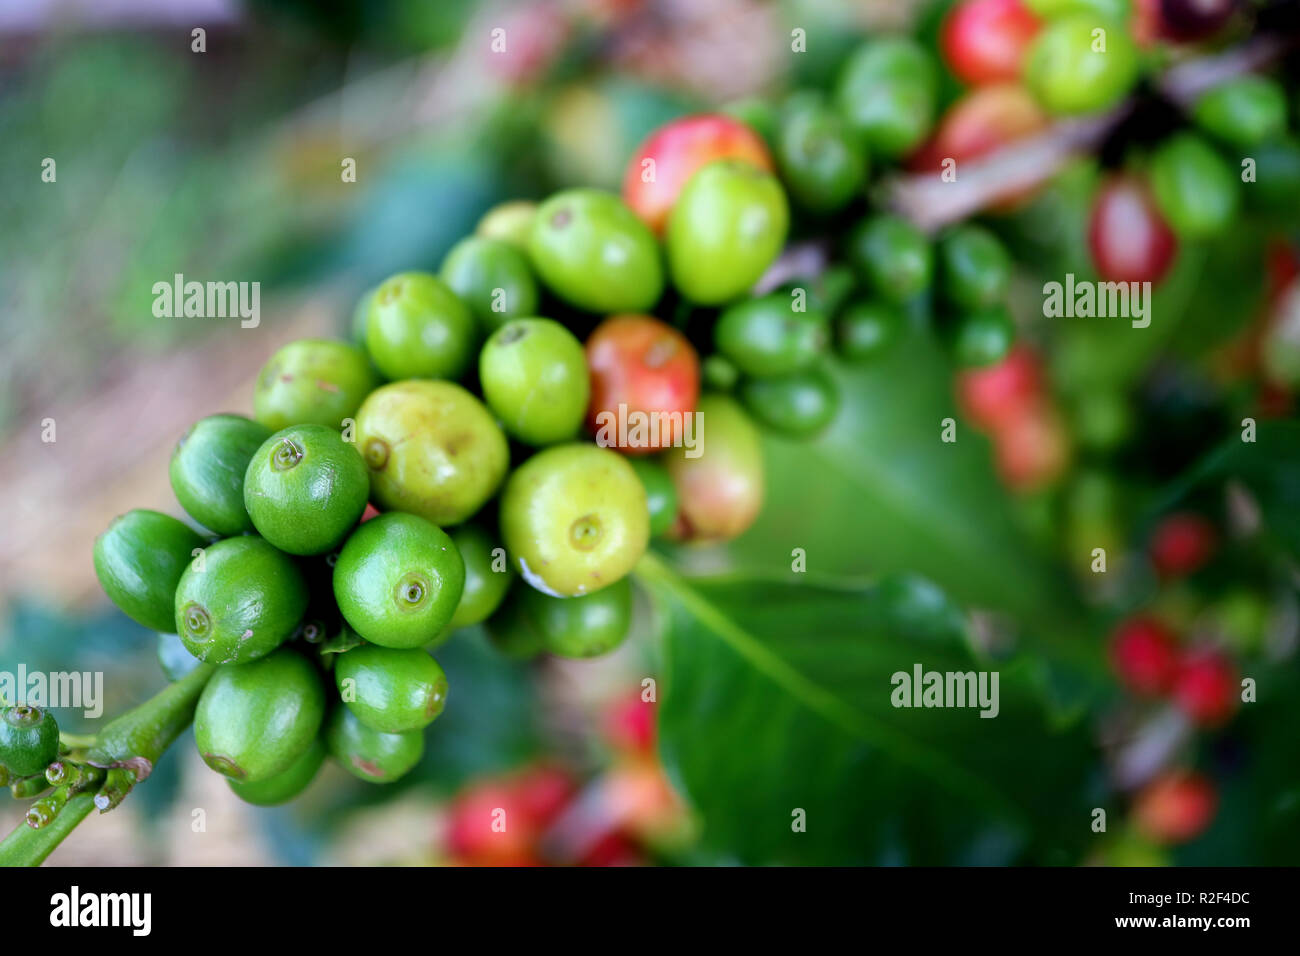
column 1181, row 544
column 1206, row 688
column 984, row 41
column 370, row 512
column 498, row 821
column 995, row 394
column 1032, row 447
column 543, row 791
column 630, row 724
column 613, row 849
column 1175, row 807
column 1128, row 238
column 1144, row 655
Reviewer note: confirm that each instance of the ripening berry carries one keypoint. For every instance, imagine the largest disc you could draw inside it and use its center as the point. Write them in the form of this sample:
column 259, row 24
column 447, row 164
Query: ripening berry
column 1181, row 544
column 1175, row 807
column 984, row 41
column 1206, row 687
column 1144, row 654
column 1127, row 236
column 1033, row 448
column 996, row 394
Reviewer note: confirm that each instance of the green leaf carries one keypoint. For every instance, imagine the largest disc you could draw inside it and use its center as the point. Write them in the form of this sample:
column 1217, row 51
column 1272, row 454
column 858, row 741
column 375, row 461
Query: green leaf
column 777, row 698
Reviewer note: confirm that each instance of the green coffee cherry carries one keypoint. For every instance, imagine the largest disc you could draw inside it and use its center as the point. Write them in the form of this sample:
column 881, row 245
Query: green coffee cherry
column 253, row 721
column 798, row 405
column 974, row 268
column 821, row 158
column 139, row 561
column 306, row 488
column 493, row 278
column 1081, row 64
column 867, row 329
column 487, row 575
column 766, row 336
column 398, row 580
column 418, row 328
column 371, row 755
column 888, row 92
column 1245, row 111
column 286, row 784
column 391, row 690
column 984, row 337
column 1193, row 186
column 207, row 471
column 29, row 740
column 595, row 253
column 240, row 602
column 660, row 494
column 313, row 382
column 893, row 256
column 511, row 222
column 578, row 627
column 534, row 378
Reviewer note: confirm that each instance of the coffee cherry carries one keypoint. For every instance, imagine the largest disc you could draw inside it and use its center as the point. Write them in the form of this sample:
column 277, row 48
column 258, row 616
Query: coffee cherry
column 584, row 626
column 1069, row 70
column 728, row 225
column 574, row 519
column 1243, row 112
column 983, row 338
column 639, row 364
column 1206, row 688
column 799, row 405
column 534, row 377
column 672, row 154
column 398, row 580
column 1175, row 807
column 29, row 740
column 821, row 158
column 867, row 329
column 661, row 496
column 1181, row 544
column 286, row 784
column 253, row 721
column 419, row 328
column 368, row 754
column 721, row 490
column 984, row 41
column 1144, row 655
column 593, row 251
column 893, row 256
column 486, row 578
column 207, row 471
column 313, row 382
column 139, row 561
column 432, row 448
column 974, row 267
column 766, row 336
column 242, row 602
column 887, row 92
column 993, row 396
column 510, row 222
column 1194, row 186
column 1127, row 236
column 493, row 278
column 1032, row 447
column 305, row 489
column 390, row 689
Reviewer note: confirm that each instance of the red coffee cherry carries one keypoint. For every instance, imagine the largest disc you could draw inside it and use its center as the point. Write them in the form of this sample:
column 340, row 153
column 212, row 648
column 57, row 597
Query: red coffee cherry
column 1181, row 544
column 1127, row 236
column 647, row 367
column 1206, row 688
column 996, row 394
column 984, row 41
column 1144, row 654
column 1175, row 807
